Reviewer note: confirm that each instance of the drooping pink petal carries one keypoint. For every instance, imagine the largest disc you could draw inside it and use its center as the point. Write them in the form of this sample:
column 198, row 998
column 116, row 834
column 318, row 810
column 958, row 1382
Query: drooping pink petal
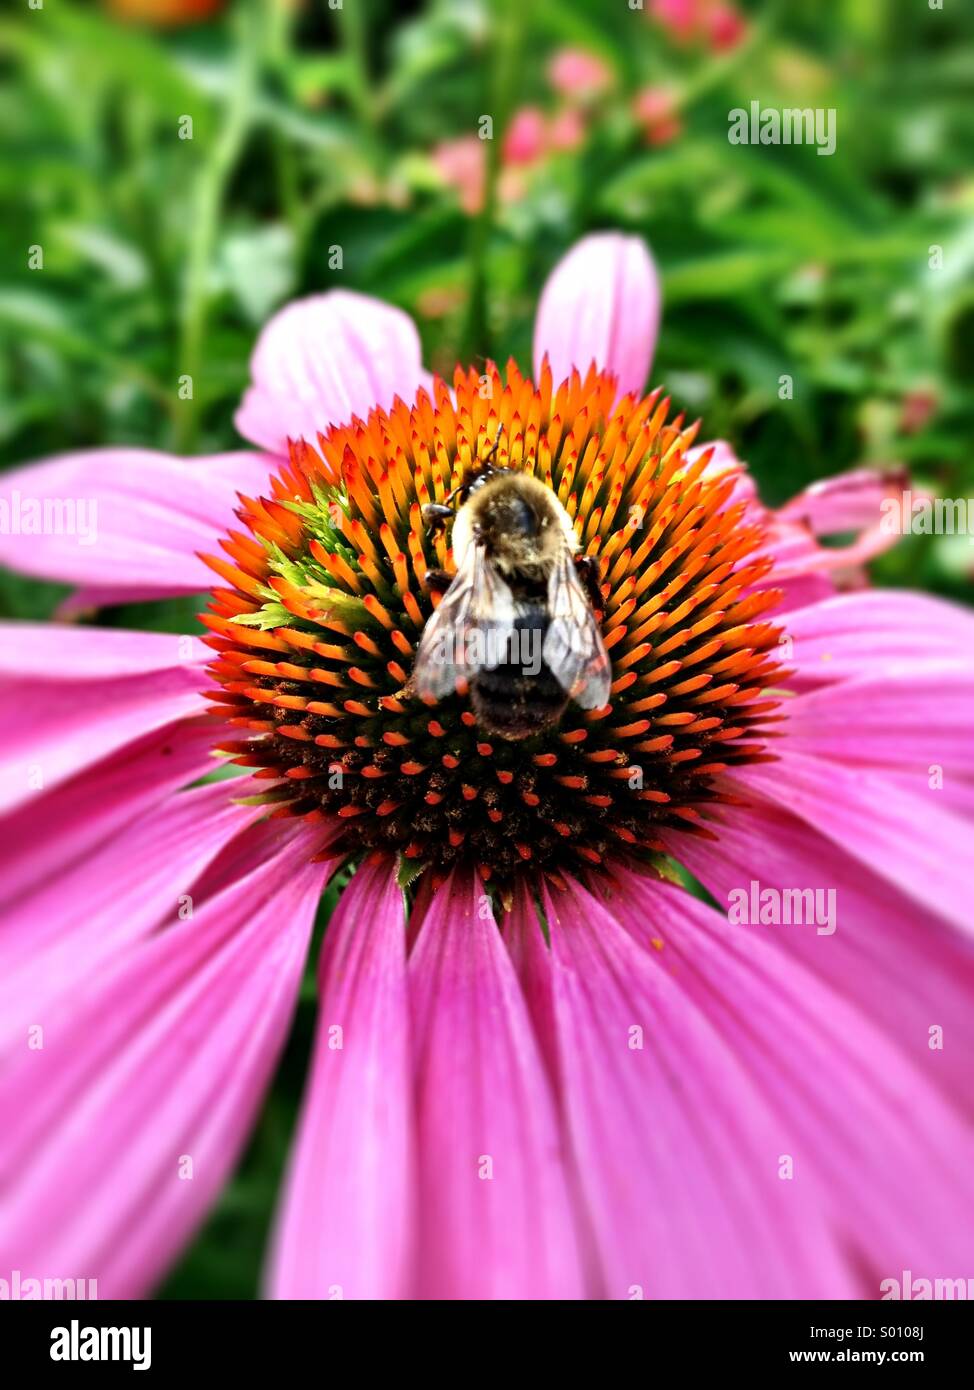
column 323, row 359
column 874, row 632
column 85, row 602
column 143, row 879
column 908, row 837
column 122, row 1128
column 847, row 502
column 495, row 1217
column 601, row 303
column 348, row 1219
column 51, row 832
column 891, row 1160
column 69, row 696
column 850, row 502
column 897, row 962
column 127, row 521
column 675, row 1147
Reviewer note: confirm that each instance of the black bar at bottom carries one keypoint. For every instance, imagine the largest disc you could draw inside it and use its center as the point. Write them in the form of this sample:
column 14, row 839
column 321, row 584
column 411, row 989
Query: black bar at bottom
column 166, row 1338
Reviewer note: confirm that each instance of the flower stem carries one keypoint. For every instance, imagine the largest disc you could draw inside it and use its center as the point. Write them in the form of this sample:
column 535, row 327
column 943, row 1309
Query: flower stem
column 355, row 43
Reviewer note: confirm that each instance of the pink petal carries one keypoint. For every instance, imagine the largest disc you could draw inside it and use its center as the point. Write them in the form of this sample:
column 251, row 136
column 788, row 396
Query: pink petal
column 139, row 881
column 898, row 963
column 68, row 654
column 152, row 514
column 532, row 961
column 874, row 632
column 676, row 1149
column 54, row 830
column 70, row 696
column 601, row 303
column 495, row 1219
column 576, row 72
column 346, row 1226
column 83, row 603
column 321, row 360
column 847, row 502
column 906, row 837
column 910, row 720
column 165, row 1063
column 889, row 1159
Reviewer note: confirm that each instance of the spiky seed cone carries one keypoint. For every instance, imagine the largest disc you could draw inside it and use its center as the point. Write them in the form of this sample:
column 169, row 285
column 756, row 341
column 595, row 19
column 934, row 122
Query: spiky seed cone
column 325, row 600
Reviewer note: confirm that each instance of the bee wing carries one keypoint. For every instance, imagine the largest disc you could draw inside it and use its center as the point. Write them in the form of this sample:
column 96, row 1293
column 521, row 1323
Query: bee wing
column 573, row 648
column 473, row 621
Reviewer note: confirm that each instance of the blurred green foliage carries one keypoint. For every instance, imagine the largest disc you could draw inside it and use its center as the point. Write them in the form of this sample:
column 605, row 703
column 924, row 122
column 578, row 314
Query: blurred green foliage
column 315, row 127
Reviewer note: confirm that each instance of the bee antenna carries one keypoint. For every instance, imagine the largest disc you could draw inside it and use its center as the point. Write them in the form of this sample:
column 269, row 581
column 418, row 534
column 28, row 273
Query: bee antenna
column 492, row 452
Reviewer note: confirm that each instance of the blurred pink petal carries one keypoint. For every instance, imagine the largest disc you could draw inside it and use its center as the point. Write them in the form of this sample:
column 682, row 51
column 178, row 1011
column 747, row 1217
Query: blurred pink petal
column 719, row 25
column 836, row 1085
column 81, row 604
column 676, row 1149
column 849, row 502
column 566, row 130
column 910, row 720
column 323, row 359
column 679, row 17
column 140, row 880
column 724, row 462
column 875, row 632
column 348, row 1213
column 91, row 691
column 726, row 27
column 657, row 110
column 602, row 303
column 574, row 72
column 144, row 515
column 878, row 821
column 897, row 962
column 495, row 1217
column 526, row 137
column 52, row 831
column 462, row 163
column 121, row 1130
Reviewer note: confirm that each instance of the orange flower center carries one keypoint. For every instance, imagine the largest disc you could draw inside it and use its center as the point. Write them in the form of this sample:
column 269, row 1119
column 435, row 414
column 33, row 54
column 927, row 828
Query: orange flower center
column 325, row 599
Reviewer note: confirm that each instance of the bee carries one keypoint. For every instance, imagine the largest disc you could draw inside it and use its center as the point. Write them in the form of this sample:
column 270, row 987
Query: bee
column 517, row 621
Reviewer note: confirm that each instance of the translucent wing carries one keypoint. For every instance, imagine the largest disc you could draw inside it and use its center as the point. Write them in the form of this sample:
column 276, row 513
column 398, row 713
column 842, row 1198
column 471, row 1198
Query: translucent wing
column 469, row 629
column 573, row 648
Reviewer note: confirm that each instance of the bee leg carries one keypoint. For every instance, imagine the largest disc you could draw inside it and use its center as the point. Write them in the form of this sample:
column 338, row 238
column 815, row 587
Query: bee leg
column 438, row 581
column 589, row 574
column 436, row 515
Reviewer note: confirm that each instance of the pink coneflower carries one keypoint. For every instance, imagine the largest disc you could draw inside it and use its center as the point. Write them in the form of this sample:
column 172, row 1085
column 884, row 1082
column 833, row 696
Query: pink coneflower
column 526, row 138
column 543, row 1067
column 657, row 110
column 462, row 164
column 718, row 25
column 578, row 75
column 566, row 129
